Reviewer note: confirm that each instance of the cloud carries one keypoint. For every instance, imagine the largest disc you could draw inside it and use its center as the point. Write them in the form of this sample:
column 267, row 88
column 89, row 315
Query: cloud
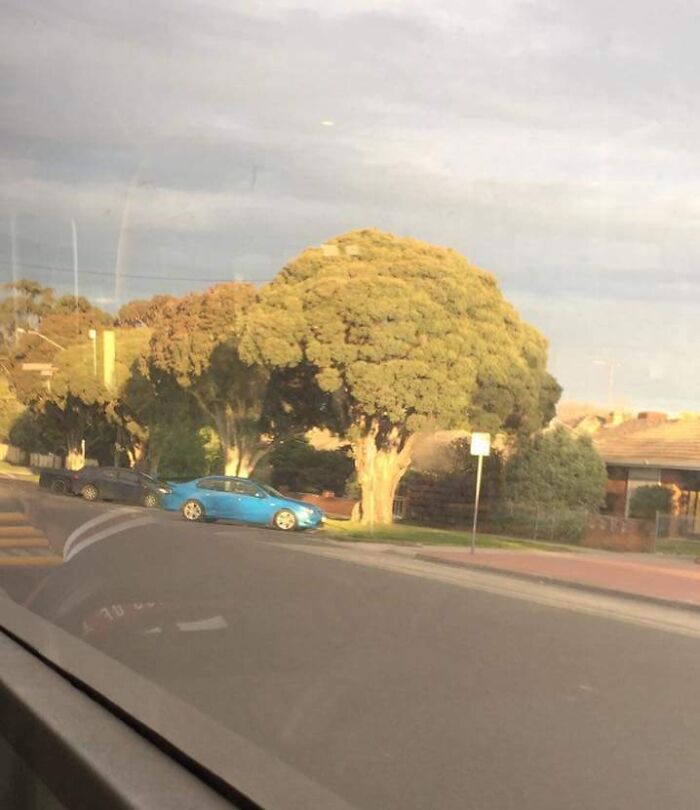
column 553, row 143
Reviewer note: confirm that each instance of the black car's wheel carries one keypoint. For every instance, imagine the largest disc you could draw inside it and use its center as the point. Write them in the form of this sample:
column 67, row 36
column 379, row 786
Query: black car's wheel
column 285, row 520
column 59, row 486
column 90, row 492
column 193, row 510
column 151, row 500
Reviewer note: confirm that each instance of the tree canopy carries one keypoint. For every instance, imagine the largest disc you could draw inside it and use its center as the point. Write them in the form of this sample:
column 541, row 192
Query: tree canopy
column 404, row 336
column 196, row 341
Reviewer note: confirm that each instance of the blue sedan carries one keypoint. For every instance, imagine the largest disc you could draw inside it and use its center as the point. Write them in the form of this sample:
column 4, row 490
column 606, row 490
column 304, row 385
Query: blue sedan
column 223, row 497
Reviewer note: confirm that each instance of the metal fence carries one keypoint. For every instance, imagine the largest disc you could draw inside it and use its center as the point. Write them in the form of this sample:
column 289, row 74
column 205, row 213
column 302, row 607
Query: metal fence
column 529, row 521
column 46, row 460
column 12, row 454
column 677, row 527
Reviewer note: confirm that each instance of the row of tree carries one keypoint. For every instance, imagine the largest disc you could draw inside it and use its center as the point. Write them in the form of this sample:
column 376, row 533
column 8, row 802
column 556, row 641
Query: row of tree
column 373, row 337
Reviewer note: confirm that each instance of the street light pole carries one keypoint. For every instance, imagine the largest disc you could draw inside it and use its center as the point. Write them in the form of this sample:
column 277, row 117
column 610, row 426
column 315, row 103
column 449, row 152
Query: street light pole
column 92, row 334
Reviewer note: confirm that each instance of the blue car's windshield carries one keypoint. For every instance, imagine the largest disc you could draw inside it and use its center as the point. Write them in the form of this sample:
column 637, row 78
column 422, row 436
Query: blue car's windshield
column 271, row 491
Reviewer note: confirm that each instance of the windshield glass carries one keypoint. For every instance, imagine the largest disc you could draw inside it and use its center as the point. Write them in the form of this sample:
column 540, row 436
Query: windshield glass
column 271, row 491
column 427, row 271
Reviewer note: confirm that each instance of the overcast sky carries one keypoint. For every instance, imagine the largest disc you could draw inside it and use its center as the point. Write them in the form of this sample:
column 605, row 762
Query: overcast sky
column 555, row 144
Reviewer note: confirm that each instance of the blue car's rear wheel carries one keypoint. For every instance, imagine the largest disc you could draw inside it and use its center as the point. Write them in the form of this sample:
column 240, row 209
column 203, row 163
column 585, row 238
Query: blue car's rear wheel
column 192, row 510
column 285, row 520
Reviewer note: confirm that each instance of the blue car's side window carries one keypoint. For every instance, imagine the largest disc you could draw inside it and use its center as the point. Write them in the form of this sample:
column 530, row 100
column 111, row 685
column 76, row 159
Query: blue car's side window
column 215, row 484
column 242, row 488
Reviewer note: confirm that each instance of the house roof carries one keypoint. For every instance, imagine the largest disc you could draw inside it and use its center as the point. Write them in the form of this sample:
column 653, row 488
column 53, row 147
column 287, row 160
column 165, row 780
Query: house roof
column 651, row 440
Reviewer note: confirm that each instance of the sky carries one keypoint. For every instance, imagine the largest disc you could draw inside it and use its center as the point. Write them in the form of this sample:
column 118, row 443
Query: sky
column 554, row 144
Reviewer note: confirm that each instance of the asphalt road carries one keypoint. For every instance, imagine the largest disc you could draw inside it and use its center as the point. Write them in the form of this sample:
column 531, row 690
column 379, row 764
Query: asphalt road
column 392, row 690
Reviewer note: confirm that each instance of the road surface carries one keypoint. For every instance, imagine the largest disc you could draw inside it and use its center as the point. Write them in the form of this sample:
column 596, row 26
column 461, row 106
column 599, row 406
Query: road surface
column 389, row 683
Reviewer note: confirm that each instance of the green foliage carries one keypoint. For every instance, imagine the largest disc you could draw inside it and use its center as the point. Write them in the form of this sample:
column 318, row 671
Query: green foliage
column 403, row 337
column 404, row 334
column 648, row 500
column 300, row 467
column 10, row 408
column 556, row 470
column 196, row 343
column 30, row 433
column 59, row 430
column 143, row 312
column 22, row 306
column 181, row 451
column 437, row 497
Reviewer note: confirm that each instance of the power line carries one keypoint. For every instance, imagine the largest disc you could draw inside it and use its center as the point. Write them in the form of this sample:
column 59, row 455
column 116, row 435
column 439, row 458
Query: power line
column 54, row 269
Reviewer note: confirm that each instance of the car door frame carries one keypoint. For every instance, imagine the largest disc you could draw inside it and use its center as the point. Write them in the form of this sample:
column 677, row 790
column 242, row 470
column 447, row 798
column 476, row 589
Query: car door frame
column 249, row 506
column 130, row 487
column 212, row 498
column 106, row 479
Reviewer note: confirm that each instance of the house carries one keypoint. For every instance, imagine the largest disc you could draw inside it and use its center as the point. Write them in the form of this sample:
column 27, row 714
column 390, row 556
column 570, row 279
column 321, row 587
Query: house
column 651, row 449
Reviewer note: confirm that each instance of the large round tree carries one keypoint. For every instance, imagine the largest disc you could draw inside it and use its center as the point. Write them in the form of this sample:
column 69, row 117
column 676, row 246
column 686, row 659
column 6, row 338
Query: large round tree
column 405, row 337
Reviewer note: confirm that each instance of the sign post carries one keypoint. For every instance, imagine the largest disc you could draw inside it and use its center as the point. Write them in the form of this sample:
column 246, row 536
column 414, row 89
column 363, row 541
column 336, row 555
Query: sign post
column 480, row 446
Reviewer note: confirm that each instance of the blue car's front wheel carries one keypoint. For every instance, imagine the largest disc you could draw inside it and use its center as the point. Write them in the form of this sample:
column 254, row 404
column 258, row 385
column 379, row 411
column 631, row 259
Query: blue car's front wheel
column 192, row 510
column 285, row 520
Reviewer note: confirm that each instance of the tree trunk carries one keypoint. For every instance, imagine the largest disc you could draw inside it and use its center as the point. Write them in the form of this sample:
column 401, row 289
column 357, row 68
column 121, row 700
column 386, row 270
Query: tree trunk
column 238, row 461
column 242, row 451
column 74, row 458
column 379, row 471
column 379, row 482
column 137, row 455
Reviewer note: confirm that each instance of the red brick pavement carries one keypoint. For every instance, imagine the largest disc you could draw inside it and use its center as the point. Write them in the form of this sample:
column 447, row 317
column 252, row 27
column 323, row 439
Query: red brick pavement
column 673, row 580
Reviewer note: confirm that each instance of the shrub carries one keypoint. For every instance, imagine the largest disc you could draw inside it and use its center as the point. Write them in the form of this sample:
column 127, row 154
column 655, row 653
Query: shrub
column 181, row 453
column 556, row 471
column 298, row 466
column 648, row 500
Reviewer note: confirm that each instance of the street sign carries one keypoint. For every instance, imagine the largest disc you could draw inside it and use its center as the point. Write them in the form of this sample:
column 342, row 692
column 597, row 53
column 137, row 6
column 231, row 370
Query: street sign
column 480, row 444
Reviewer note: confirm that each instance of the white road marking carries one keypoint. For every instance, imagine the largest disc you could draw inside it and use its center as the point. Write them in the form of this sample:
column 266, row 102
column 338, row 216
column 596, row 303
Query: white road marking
column 122, row 527
column 103, row 518
column 212, row 623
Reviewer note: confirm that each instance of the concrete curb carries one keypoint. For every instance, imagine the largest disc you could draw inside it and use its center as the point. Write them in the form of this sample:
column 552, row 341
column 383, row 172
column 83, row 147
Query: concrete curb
column 544, row 579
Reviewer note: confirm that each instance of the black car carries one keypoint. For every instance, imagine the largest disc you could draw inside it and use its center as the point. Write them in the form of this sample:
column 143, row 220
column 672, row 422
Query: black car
column 117, row 484
column 58, row 481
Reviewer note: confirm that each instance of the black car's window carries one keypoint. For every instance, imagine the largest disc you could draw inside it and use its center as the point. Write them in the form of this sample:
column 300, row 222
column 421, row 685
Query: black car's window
column 216, row 484
column 110, row 474
column 128, row 476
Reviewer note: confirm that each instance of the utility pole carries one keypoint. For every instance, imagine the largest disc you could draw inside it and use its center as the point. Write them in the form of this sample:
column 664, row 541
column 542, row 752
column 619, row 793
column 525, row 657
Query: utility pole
column 76, row 292
column 13, row 248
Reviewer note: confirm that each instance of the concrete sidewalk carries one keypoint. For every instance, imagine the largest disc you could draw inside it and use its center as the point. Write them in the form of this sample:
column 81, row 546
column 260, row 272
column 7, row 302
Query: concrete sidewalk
column 667, row 581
